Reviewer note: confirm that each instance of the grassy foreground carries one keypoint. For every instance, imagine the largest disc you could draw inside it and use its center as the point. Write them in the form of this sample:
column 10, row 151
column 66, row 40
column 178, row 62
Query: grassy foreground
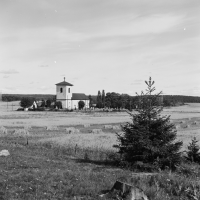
column 44, row 171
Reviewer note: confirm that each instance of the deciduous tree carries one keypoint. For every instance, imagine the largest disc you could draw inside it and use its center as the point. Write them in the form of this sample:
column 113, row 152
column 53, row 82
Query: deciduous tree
column 26, row 102
column 81, row 105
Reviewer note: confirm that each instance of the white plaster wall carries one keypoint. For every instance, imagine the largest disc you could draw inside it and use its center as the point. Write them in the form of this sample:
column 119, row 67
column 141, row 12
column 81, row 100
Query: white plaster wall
column 65, row 94
column 59, row 95
column 66, row 104
column 75, row 103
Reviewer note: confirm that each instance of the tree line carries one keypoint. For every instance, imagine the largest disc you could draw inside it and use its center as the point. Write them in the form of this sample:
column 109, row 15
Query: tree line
column 19, row 97
column 116, row 100
column 109, row 100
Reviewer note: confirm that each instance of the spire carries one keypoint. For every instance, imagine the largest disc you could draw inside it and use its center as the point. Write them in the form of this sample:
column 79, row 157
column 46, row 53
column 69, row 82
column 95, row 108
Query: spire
column 64, row 79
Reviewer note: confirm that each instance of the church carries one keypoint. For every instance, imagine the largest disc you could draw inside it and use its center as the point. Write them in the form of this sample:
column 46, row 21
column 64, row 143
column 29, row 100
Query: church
column 69, row 100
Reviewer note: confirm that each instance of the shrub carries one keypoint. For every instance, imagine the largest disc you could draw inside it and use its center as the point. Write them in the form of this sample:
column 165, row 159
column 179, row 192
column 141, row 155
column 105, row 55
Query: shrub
column 81, row 105
column 43, row 103
column 48, row 103
column 58, row 104
column 26, row 102
column 150, row 137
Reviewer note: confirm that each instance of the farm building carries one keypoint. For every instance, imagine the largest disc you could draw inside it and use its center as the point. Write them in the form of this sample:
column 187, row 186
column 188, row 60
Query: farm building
column 69, row 100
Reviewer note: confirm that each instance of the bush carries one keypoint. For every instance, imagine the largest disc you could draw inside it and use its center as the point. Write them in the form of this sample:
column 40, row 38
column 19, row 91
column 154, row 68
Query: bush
column 43, row 103
column 26, row 102
column 48, row 103
column 58, row 104
column 81, row 105
column 150, row 137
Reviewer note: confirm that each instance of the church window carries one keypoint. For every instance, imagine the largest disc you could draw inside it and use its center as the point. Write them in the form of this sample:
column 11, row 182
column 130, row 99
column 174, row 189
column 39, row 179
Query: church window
column 68, row 90
column 61, row 90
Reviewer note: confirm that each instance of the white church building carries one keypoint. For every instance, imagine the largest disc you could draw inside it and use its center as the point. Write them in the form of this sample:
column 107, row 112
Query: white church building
column 69, row 100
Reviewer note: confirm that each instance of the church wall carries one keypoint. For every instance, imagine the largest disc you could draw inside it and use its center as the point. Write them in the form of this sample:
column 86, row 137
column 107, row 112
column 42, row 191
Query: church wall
column 60, row 95
column 75, row 103
column 65, row 92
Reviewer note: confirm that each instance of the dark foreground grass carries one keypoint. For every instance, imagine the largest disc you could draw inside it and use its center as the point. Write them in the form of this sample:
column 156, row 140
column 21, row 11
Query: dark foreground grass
column 45, row 171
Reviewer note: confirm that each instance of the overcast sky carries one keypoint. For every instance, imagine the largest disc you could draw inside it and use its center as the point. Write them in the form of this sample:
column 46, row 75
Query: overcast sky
column 113, row 45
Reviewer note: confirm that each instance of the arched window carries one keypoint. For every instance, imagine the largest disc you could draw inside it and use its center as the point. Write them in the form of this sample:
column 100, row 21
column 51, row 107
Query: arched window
column 61, row 90
column 68, row 90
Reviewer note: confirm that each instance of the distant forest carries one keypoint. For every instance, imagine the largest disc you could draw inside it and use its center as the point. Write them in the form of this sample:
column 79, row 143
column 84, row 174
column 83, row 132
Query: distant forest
column 115, row 100
column 111, row 99
column 18, row 97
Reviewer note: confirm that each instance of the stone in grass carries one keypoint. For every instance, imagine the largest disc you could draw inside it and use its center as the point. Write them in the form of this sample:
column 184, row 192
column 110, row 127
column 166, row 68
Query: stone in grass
column 52, row 128
column 86, row 125
column 4, row 153
column 194, row 123
column 126, row 191
column 72, row 130
column 108, row 126
column 97, row 131
column 116, row 127
column 3, row 130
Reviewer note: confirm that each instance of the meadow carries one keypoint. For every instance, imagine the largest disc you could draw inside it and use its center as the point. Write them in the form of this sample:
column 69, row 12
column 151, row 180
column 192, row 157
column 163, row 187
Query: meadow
column 46, row 162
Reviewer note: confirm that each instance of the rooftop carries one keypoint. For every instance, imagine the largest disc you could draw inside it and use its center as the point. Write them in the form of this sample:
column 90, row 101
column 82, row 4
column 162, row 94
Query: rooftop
column 64, row 83
column 79, row 96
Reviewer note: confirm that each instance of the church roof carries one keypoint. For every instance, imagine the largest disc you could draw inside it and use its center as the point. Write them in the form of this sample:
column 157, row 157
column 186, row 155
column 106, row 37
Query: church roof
column 79, row 96
column 64, row 83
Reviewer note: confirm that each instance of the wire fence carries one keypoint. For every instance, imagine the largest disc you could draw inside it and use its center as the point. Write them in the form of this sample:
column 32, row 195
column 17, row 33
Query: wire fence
column 9, row 106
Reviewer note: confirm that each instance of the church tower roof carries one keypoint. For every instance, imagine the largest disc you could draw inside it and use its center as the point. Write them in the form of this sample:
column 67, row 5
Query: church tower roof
column 64, row 83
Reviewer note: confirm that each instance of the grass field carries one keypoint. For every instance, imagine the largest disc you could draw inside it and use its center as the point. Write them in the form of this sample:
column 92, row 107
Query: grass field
column 57, row 165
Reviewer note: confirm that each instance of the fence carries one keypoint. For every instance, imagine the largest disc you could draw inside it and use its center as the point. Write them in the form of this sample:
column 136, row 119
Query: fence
column 9, row 106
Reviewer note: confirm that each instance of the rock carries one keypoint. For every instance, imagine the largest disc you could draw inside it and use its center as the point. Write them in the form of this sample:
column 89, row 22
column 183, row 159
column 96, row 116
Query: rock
column 4, row 153
column 127, row 191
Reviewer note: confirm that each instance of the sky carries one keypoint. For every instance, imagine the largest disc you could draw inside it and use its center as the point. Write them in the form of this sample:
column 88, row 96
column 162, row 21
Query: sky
column 113, row 45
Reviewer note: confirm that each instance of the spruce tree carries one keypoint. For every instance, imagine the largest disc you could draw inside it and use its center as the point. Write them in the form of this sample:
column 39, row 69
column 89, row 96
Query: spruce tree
column 193, row 153
column 149, row 137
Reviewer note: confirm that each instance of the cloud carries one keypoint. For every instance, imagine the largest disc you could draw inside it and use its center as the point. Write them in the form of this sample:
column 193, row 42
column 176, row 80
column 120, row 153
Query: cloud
column 44, row 88
column 137, row 82
column 44, row 66
column 10, row 71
